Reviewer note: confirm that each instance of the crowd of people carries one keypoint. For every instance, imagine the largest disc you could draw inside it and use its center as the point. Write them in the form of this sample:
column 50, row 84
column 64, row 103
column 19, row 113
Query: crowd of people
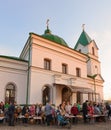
column 49, row 112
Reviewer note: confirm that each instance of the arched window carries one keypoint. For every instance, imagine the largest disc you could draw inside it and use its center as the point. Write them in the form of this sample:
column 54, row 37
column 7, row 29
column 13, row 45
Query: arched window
column 96, row 69
column 46, row 95
column 10, row 93
column 93, row 51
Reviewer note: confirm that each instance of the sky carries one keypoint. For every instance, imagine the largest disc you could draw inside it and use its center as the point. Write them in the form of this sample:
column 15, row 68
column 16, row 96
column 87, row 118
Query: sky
column 20, row 17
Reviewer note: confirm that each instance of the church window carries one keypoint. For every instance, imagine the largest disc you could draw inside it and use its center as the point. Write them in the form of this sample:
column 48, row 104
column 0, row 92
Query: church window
column 78, row 72
column 96, row 69
column 64, row 68
column 47, row 64
column 93, row 51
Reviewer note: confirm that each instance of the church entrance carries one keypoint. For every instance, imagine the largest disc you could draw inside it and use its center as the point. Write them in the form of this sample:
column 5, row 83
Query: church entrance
column 78, row 97
column 46, row 95
column 66, row 94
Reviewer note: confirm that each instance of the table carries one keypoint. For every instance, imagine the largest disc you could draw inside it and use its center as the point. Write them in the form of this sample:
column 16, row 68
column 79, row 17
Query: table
column 1, row 118
column 94, row 118
column 38, row 118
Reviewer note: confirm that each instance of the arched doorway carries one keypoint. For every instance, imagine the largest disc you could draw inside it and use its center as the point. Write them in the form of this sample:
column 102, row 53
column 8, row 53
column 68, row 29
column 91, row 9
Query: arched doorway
column 10, row 93
column 66, row 94
column 46, row 95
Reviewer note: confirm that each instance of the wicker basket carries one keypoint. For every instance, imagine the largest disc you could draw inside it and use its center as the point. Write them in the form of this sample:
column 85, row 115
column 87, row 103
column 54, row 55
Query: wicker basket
column 18, row 110
column 26, row 115
column 15, row 115
column 31, row 121
column 2, row 115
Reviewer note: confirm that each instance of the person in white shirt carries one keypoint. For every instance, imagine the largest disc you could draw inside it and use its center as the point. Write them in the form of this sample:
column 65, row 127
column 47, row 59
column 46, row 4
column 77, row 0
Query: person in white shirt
column 68, row 108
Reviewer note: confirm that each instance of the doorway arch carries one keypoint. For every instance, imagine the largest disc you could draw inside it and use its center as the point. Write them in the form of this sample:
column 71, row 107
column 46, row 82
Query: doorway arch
column 66, row 94
column 46, row 94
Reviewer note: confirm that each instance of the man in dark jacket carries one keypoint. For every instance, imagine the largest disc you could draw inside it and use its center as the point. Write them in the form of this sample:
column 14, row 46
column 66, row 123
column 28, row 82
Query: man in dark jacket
column 11, row 111
column 85, row 110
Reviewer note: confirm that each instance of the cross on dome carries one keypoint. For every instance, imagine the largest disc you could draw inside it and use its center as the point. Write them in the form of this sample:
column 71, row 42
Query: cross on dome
column 83, row 26
column 47, row 23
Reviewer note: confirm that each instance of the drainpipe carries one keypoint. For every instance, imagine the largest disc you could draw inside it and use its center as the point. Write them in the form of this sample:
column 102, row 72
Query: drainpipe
column 27, row 93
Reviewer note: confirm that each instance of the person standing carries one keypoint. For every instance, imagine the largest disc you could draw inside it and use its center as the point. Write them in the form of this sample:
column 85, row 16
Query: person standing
column 11, row 111
column 85, row 110
column 75, row 112
column 68, row 107
column 48, row 113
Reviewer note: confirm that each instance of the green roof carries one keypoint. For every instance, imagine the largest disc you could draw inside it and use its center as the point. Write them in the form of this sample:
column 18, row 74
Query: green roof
column 84, row 39
column 48, row 35
column 13, row 58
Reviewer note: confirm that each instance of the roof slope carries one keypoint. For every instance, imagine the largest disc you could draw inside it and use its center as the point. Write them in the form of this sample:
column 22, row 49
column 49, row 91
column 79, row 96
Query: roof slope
column 48, row 35
column 84, row 39
column 13, row 58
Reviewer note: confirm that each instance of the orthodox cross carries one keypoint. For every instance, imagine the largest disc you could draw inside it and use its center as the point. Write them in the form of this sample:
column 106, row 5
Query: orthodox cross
column 47, row 23
column 83, row 26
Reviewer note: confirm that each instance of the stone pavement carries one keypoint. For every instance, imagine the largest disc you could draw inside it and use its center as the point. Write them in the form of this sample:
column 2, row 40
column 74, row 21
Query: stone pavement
column 79, row 126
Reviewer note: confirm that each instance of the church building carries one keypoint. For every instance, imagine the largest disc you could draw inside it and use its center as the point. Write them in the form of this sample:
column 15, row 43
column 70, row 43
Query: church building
column 49, row 70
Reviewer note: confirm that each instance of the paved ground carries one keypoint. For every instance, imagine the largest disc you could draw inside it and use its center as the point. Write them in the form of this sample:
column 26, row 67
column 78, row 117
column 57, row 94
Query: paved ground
column 80, row 126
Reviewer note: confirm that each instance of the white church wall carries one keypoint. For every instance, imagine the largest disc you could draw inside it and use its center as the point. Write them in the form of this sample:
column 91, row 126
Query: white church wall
column 13, row 64
column 20, row 82
column 13, row 71
column 89, row 71
column 57, row 58
column 92, row 44
column 41, row 49
column 38, row 80
column 84, row 49
column 93, row 67
column 99, row 89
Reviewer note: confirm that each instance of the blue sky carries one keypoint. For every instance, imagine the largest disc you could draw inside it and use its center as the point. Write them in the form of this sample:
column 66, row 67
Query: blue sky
column 19, row 17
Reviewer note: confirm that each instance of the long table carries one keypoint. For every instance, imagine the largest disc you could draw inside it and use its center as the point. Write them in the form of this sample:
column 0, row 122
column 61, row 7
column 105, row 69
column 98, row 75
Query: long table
column 1, row 118
column 36, row 118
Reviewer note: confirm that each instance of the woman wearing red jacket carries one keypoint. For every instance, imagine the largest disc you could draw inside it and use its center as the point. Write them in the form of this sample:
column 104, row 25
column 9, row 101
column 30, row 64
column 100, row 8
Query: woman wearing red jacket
column 74, row 112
